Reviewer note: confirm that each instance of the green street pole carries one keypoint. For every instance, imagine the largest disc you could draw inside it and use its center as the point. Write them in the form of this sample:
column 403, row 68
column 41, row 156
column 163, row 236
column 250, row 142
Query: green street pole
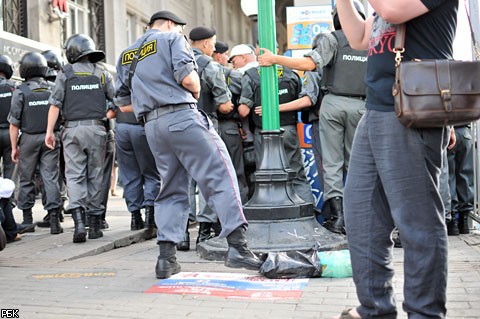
column 268, row 74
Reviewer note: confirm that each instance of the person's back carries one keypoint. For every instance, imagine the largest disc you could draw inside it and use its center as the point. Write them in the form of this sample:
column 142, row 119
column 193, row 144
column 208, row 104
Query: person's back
column 81, row 92
column 394, row 171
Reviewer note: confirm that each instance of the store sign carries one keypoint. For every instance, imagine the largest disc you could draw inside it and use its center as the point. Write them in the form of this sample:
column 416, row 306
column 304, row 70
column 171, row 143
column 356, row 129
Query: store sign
column 304, row 23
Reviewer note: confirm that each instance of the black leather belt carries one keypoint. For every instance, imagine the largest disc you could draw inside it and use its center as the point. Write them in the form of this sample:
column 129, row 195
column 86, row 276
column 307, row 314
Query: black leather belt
column 84, row 123
column 156, row 113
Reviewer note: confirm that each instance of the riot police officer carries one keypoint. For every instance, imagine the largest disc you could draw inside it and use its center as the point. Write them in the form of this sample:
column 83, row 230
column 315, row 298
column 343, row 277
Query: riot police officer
column 29, row 114
column 81, row 92
column 182, row 139
column 6, row 91
column 342, row 107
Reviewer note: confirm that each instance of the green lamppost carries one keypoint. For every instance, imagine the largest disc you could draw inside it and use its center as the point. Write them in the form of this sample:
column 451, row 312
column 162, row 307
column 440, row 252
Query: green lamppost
column 279, row 220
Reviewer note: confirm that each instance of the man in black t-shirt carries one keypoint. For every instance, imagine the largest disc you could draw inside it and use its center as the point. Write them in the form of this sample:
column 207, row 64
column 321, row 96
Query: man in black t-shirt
column 394, row 171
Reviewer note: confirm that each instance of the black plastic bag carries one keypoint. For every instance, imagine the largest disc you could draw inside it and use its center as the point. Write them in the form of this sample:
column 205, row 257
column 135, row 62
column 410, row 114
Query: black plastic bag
column 292, row 264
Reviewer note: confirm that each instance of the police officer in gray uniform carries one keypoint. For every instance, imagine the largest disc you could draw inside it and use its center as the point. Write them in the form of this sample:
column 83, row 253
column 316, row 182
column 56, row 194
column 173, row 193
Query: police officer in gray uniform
column 29, row 114
column 164, row 85
column 137, row 169
column 343, row 77
column 215, row 100
column 81, row 92
column 6, row 91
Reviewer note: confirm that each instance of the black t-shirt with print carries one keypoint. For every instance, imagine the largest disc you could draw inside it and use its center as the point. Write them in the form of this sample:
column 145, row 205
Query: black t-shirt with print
column 429, row 36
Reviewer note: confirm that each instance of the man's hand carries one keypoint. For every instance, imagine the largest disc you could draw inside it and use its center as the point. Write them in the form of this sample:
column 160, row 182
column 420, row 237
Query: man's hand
column 258, row 110
column 453, row 139
column 225, row 108
column 111, row 114
column 15, row 155
column 50, row 140
column 267, row 58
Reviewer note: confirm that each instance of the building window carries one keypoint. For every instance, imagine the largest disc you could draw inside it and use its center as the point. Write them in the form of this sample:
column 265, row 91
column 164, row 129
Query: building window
column 87, row 17
column 131, row 26
column 14, row 17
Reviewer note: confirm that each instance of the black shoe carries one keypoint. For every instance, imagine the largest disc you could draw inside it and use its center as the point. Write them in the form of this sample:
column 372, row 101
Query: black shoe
column 54, row 222
column 184, row 245
column 79, row 234
column 26, row 228
column 452, row 227
column 104, row 224
column 45, row 223
column 167, row 264
column 204, row 232
column 238, row 254
column 136, row 222
column 150, row 217
column 397, row 243
column 94, row 231
column 336, row 224
column 463, row 226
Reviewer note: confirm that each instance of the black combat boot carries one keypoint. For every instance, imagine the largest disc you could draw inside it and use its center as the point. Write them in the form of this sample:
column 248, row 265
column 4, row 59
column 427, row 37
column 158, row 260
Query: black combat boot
column 463, row 226
column 103, row 221
column 28, row 221
column 94, row 230
column 45, row 223
column 167, row 261
column 217, row 228
column 150, row 217
column 238, row 254
column 337, row 221
column 204, row 232
column 184, row 245
column 452, row 226
column 136, row 223
column 54, row 221
column 79, row 234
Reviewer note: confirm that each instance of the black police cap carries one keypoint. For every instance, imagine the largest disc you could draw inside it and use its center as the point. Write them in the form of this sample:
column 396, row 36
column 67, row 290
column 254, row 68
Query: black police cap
column 166, row 15
column 221, row 47
column 200, row 33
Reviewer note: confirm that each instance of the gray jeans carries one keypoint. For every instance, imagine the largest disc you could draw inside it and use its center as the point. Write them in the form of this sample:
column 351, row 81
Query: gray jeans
column 393, row 181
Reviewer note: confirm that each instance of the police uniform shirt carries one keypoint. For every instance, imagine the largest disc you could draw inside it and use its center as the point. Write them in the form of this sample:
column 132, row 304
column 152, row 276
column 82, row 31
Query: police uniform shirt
column 324, row 52
column 213, row 80
column 311, row 86
column 165, row 60
column 247, row 96
column 58, row 94
column 6, row 98
column 15, row 115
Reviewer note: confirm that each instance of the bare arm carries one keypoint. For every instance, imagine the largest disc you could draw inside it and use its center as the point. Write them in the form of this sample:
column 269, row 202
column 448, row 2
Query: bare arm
column 126, row 108
column 192, row 83
column 53, row 114
column 13, row 140
column 355, row 28
column 268, row 59
column 395, row 12
column 294, row 105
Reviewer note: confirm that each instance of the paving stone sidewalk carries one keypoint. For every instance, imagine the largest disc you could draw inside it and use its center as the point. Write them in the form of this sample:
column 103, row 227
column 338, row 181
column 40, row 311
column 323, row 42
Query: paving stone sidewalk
column 46, row 276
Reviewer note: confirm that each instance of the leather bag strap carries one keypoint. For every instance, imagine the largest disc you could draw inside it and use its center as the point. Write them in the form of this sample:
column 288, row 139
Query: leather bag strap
column 444, row 84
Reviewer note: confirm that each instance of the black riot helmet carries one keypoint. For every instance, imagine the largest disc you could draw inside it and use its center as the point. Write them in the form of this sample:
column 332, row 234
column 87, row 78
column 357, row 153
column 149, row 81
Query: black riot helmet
column 6, row 65
column 33, row 64
column 80, row 45
column 54, row 62
column 336, row 22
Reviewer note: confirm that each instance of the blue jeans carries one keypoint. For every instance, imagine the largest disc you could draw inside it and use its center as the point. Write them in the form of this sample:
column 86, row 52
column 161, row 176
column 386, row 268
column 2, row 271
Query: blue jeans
column 393, row 181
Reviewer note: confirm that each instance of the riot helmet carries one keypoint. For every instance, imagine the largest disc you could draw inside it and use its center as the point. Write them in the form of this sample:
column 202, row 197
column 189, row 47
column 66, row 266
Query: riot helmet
column 54, row 62
column 80, row 45
column 336, row 21
column 33, row 64
column 6, row 65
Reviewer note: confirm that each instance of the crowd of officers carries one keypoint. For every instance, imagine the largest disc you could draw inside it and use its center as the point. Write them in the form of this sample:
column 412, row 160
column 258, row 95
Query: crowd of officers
column 58, row 125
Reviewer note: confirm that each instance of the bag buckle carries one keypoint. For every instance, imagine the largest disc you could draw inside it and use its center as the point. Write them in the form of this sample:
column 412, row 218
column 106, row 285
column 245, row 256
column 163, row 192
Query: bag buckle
column 446, row 99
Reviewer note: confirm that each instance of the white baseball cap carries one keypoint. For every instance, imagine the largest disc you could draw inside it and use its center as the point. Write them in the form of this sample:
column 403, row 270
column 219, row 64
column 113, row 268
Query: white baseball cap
column 240, row 49
column 7, row 186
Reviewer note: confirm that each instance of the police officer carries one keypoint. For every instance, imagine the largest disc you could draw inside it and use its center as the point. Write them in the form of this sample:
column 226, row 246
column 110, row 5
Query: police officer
column 55, row 63
column 137, row 169
column 220, row 54
column 29, row 114
column 215, row 100
column 461, row 177
column 6, row 90
column 289, row 87
column 81, row 91
column 182, row 139
column 343, row 106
